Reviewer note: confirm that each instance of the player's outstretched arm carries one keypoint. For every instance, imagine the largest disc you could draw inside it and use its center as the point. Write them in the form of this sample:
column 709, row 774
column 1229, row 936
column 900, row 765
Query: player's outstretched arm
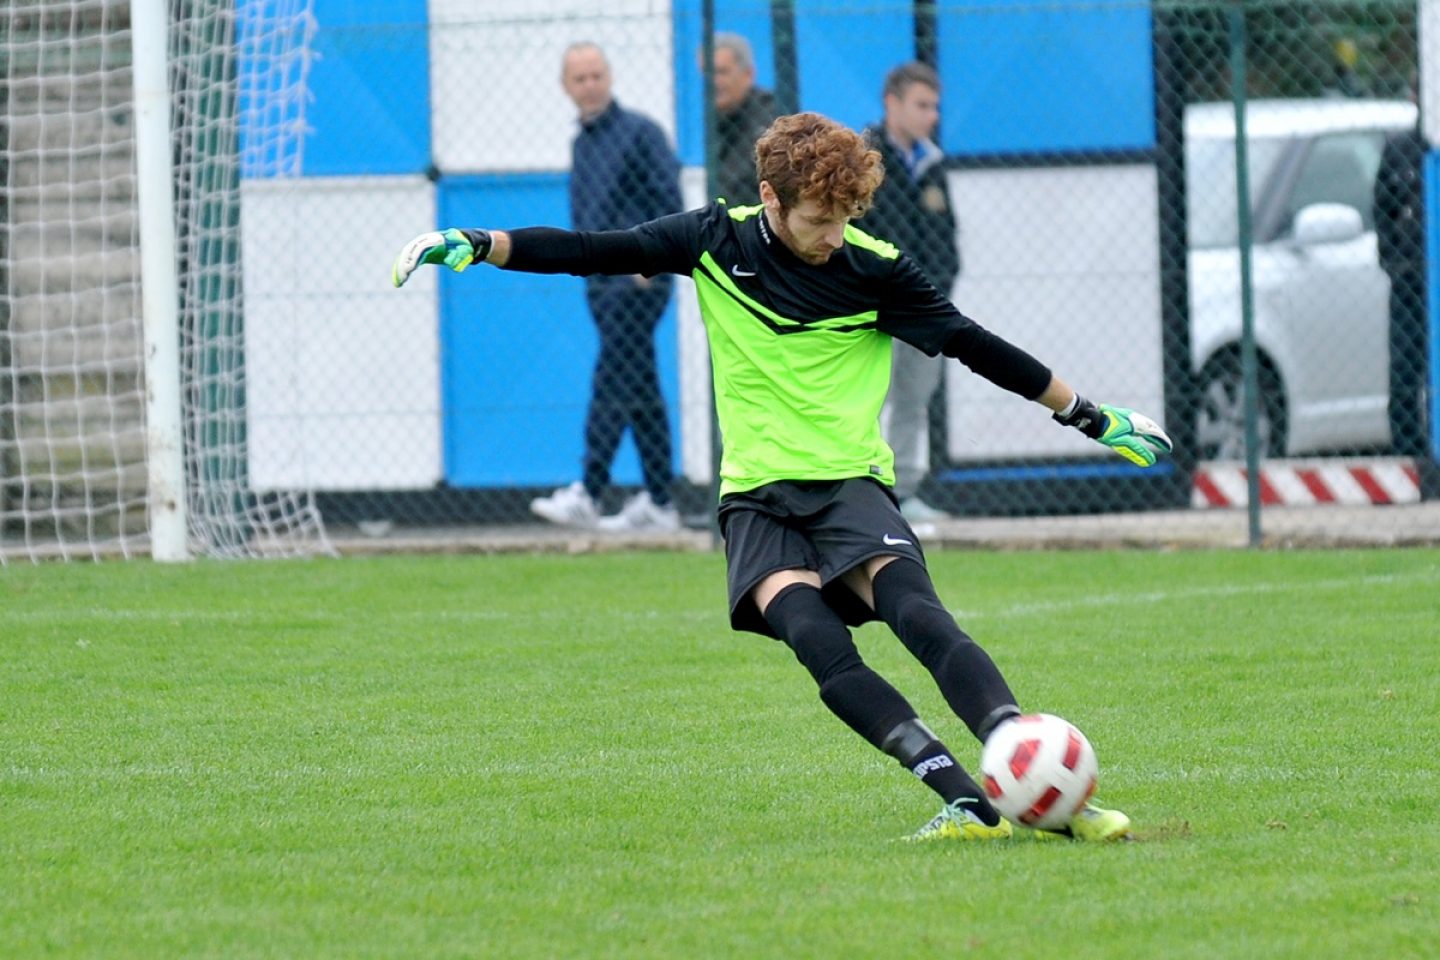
column 552, row 250
column 456, row 249
column 1133, row 435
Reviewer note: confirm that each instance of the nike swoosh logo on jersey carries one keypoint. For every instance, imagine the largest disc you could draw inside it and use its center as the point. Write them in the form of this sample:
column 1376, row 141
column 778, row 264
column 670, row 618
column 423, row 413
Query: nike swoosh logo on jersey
column 890, row 541
column 741, row 273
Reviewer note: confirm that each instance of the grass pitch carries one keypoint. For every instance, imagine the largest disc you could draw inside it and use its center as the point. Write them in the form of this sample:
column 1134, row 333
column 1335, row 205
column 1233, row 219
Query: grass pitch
column 572, row 756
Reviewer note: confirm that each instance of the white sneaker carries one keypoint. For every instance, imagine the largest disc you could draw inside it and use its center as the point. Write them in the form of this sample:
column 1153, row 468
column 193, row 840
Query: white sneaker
column 641, row 513
column 569, row 506
column 916, row 510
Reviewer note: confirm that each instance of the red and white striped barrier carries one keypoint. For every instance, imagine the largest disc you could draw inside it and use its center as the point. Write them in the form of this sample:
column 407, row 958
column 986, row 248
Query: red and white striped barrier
column 1304, row 483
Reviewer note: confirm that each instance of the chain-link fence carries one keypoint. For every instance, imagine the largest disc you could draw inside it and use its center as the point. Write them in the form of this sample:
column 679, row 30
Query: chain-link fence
column 1067, row 171
column 1324, row 270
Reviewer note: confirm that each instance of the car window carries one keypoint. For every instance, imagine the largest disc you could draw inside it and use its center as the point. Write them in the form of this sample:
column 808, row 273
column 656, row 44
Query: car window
column 1210, row 185
column 1339, row 168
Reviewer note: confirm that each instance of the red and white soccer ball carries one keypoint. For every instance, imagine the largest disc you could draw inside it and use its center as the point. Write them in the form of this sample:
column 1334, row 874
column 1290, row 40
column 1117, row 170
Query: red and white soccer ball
column 1038, row 770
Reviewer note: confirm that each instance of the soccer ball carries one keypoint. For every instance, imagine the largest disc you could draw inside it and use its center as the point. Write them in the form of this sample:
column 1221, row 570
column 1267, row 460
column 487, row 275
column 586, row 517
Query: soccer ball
column 1039, row 770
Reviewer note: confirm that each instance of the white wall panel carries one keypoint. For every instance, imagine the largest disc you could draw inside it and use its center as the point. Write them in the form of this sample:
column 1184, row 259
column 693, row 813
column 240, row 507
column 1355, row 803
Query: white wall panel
column 343, row 369
column 497, row 103
column 1063, row 262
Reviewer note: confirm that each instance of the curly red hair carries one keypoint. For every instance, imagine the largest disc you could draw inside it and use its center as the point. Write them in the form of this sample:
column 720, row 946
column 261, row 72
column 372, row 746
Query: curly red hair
column 806, row 156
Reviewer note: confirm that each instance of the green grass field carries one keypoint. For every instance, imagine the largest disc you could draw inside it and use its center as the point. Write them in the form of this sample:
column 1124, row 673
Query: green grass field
column 545, row 756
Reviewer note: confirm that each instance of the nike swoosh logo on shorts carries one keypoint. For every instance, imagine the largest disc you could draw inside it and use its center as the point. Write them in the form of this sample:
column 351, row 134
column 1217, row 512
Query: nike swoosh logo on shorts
column 741, row 273
column 890, row 541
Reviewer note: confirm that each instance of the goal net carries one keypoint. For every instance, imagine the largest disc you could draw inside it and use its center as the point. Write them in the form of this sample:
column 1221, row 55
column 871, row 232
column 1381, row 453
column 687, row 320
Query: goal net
column 73, row 471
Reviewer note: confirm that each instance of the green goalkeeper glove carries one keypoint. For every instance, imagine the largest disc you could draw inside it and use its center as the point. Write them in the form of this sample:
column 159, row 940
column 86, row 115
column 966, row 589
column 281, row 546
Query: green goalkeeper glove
column 457, row 249
column 1133, row 435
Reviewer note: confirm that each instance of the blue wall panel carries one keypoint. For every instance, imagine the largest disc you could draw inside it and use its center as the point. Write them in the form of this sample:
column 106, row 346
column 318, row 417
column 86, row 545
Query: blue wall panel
column 518, row 349
column 1052, row 76
column 267, row 73
column 845, row 51
column 1020, row 76
column 370, row 84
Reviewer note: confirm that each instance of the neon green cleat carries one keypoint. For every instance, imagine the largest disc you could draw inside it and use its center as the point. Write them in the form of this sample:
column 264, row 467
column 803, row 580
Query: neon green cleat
column 1091, row 825
column 1096, row 825
column 956, row 821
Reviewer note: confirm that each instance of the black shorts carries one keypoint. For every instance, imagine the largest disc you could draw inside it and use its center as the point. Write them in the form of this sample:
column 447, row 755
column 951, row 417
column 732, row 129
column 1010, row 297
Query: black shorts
column 829, row 526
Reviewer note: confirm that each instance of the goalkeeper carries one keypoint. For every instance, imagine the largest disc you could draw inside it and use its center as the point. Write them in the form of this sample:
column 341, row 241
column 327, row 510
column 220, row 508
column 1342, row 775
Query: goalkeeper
column 800, row 309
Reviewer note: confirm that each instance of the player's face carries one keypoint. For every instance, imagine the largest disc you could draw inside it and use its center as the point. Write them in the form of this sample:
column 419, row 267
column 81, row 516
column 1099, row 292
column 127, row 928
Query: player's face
column 914, row 113
column 586, row 77
column 731, row 82
column 811, row 231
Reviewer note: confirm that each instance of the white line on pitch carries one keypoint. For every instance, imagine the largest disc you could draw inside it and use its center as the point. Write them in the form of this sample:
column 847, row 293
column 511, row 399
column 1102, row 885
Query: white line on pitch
column 1119, row 598
column 1092, row 601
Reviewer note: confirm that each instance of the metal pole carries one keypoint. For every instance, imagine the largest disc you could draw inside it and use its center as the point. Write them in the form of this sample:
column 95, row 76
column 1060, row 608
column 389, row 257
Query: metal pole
column 787, row 61
column 1248, row 361
column 927, row 51
column 707, row 94
column 9, row 390
column 927, row 38
column 164, row 444
column 712, row 189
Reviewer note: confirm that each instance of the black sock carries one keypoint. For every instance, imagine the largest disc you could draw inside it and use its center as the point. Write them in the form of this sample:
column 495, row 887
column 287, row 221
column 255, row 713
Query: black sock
column 864, row 700
column 969, row 680
column 919, row 751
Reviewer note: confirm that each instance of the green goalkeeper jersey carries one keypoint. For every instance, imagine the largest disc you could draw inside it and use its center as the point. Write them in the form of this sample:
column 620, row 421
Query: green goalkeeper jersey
column 800, row 352
column 798, row 398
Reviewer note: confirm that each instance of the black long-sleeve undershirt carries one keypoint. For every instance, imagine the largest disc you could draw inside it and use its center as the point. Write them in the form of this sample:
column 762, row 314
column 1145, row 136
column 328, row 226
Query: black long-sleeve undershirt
column 550, row 250
column 999, row 361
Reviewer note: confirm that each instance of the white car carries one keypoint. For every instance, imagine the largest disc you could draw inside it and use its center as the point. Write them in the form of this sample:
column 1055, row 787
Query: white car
column 1321, row 300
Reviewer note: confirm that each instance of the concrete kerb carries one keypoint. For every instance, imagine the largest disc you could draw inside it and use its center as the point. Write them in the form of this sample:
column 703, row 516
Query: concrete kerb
column 1282, row 527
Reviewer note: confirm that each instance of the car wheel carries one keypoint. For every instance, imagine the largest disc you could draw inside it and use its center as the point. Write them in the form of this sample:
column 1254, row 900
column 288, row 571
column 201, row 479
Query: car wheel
column 1220, row 421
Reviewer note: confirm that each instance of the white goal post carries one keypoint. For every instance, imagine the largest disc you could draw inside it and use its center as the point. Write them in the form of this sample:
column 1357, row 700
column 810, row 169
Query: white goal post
column 124, row 133
column 159, row 285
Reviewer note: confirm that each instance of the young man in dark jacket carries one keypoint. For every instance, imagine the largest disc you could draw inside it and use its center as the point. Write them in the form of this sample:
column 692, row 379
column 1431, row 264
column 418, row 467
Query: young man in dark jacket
column 912, row 210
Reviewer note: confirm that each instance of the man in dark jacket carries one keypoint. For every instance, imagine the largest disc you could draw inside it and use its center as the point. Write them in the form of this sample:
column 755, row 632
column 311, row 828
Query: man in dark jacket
column 912, row 210
column 623, row 172
column 743, row 112
column 1400, row 232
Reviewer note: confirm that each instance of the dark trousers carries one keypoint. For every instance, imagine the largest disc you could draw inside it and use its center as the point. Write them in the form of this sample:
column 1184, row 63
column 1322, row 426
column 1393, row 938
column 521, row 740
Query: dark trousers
column 1409, row 386
column 626, row 387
